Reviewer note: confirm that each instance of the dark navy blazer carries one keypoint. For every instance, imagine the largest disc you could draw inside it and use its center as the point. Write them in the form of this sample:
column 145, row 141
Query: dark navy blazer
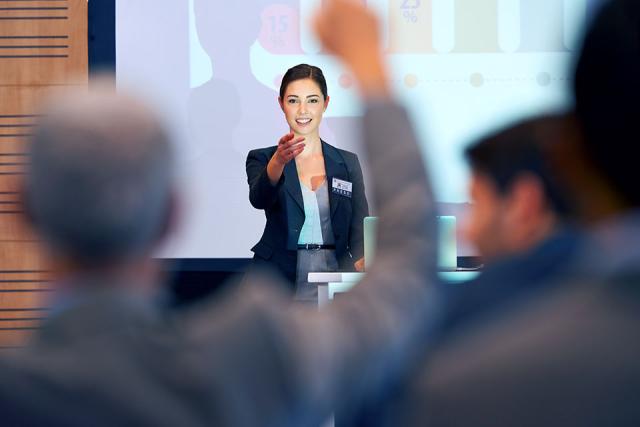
column 284, row 209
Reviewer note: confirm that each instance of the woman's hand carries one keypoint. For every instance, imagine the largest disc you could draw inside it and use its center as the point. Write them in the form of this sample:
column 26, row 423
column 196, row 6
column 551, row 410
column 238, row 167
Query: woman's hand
column 288, row 148
column 359, row 265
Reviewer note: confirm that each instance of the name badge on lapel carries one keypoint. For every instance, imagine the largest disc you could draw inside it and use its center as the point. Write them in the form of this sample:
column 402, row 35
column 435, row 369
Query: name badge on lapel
column 343, row 188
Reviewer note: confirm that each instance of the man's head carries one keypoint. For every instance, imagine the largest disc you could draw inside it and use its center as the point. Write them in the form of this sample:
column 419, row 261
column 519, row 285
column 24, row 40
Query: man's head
column 516, row 203
column 607, row 93
column 100, row 181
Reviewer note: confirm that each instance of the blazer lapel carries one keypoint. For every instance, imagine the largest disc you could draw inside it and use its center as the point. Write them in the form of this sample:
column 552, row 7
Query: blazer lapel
column 334, row 168
column 292, row 183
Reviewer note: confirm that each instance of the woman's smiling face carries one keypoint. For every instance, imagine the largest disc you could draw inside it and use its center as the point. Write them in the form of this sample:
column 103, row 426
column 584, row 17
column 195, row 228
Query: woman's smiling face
column 303, row 105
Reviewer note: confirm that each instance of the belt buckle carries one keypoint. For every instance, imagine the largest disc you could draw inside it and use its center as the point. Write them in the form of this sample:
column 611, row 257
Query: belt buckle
column 311, row 246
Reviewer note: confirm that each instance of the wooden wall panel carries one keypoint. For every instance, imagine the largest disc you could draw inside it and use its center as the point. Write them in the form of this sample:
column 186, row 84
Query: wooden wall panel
column 24, row 301
column 43, row 47
column 43, row 42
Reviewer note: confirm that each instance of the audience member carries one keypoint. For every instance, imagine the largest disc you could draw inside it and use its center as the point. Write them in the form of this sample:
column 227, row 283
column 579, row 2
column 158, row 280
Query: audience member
column 520, row 223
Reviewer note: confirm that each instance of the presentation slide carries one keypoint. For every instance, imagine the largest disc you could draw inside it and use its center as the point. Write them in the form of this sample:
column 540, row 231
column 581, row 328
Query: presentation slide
column 213, row 69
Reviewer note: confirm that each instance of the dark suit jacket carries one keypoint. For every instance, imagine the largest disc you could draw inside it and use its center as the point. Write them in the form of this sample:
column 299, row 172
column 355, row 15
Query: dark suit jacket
column 284, row 208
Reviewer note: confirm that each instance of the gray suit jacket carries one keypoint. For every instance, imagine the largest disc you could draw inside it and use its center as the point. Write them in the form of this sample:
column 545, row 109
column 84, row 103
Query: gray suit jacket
column 251, row 359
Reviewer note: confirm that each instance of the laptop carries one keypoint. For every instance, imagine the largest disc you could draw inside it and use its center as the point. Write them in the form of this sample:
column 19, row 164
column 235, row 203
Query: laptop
column 447, row 243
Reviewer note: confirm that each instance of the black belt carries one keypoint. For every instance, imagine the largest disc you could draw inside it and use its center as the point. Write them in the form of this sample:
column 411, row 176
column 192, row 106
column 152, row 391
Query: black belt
column 315, row 247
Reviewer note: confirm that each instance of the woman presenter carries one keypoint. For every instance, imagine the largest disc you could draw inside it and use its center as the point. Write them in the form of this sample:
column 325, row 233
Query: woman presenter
column 312, row 192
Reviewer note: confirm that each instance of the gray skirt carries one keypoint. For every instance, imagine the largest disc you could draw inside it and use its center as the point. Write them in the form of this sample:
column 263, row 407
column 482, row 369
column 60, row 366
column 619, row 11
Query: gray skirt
column 312, row 261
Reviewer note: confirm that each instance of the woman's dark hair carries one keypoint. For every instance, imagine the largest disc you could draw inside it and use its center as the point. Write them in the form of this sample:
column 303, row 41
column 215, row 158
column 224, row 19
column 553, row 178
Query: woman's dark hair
column 304, row 71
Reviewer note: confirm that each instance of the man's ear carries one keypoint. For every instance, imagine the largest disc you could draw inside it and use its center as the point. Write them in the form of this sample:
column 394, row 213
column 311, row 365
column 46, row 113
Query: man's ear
column 527, row 199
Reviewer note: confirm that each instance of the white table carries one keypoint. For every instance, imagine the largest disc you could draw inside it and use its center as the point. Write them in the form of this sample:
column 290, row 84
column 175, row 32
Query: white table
column 334, row 282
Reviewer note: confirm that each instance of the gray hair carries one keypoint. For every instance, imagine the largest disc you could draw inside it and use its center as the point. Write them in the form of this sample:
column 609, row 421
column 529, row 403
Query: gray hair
column 100, row 178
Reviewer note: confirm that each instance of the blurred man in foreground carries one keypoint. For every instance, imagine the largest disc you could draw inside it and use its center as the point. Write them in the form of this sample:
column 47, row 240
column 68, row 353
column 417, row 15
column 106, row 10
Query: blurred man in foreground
column 519, row 219
column 519, row 223
column 101, row 193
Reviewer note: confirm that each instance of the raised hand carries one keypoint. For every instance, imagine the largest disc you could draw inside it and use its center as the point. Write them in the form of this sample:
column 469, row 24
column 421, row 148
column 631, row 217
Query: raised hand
column 350, row 31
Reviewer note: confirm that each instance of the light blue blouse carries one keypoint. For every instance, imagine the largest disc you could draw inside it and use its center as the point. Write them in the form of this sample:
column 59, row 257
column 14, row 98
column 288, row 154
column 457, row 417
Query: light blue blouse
column 317, row 221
